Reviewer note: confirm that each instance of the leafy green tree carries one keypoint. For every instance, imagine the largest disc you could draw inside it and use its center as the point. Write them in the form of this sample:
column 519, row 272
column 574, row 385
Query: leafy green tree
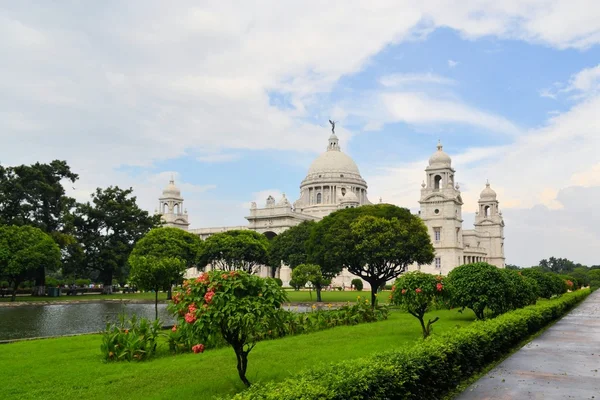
column 235, row 250
column 545, row 285
column 240, row 307
column 477, row 286
column 290, row 247
column 167, row 242
column 107, row 229
column 559, row 265
column 594, row 276
column 155, row 273
column 375, row 242
column 297, row 283
column 513, row 267
column 582, row 275
column 311, row 273
column 357, row 284
column 22, row 250
column 416, row 292
column 34, row 195
column 521, row 290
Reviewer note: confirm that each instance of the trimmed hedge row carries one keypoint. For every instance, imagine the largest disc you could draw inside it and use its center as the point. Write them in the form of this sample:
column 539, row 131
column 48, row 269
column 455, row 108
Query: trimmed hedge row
column 426, row 371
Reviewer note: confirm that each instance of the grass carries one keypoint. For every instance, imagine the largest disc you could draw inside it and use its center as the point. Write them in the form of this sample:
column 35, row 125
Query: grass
column 303, row 296
column 73, row 367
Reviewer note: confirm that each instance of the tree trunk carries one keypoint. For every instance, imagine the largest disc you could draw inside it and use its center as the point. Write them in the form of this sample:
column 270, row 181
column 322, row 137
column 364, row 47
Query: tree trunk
column 242, row 364
column 318, row 290
column 170, row 292
column 107, row 283
column 374, row 288
column 156, row 304
column 40, row 282
column 14, row 292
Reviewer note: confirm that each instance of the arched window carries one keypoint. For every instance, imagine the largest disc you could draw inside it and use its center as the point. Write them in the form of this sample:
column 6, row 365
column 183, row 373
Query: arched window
column 318, row 198
column 437, row 181
column 176, row 208
column 165, row 208
column 486, row 211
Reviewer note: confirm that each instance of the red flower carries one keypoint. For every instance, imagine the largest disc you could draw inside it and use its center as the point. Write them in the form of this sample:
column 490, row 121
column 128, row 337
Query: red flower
column 439, row 287
column 208, row 296
column 176, row 298
column 199, row 348
column 403, row 291
column 418, row 290
column 174, row 328
column 190, row 318
column 204, row 278
column 224, row 276
column 192, row 308
column 126, row 331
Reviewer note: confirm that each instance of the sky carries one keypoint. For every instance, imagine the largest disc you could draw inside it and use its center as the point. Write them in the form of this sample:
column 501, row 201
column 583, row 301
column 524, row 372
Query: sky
column 233, row 99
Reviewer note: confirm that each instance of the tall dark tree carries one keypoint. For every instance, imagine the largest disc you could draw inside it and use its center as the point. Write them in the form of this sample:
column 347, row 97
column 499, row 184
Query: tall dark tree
column 376, row 243
column 290, row 246
column 34, row 195
column 107, row 229
column 558, row 265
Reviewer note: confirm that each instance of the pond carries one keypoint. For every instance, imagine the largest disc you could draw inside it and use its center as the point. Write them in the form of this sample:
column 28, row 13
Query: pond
column 66, row 319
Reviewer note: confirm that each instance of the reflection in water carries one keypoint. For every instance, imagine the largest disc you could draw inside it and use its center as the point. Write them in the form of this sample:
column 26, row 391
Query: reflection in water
column 66, row 319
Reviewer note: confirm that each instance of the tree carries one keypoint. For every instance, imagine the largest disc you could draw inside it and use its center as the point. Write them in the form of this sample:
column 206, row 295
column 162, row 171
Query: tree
column 240, row 307
column 477, row 286
column 311, row 273
column 22, row 250
column 416, row 292
column 375, row 242
column 167, row 242
column 235, row 250
column 290, row 247
column 521, row 290
column 559, row 265
column 594, row 276
column 107, row 229
column 544, row 281
column 154, row 273
column 34, row 195
column 582, row 275
column 357, row 284
column 513, row 267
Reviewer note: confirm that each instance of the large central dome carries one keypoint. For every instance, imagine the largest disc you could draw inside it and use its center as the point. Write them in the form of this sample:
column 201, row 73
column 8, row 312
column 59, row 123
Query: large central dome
column 331, row 162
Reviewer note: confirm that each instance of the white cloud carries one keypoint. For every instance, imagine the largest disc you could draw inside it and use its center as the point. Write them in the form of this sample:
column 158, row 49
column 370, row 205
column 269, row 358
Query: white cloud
column 452, row 63
column 396, row 80
column 586, row 81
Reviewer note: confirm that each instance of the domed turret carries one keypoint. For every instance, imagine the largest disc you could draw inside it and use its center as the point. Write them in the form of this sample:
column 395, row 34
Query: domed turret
column 349, row 200
column 488, row 193
column 440, row 158
column 171, row 190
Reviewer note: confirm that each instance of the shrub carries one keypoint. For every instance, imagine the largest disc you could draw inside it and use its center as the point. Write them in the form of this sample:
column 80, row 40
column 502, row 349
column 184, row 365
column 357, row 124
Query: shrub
column 545, row 285
column 427, row 371
column 357, row 284
column 297, row 284
column 416, row 292
column 240, row 307
column 477, row 286
column 521, row 290
column 83, row 282
column 52, row 282
column 279, row 282
column 135, row 339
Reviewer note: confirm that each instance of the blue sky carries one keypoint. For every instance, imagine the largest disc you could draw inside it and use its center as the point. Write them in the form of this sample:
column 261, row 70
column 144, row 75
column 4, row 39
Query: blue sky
column 234, row 102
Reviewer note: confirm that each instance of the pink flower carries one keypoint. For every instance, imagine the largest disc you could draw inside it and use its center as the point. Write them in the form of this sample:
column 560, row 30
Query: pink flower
column 204, row 278
column 188, row 291
column 393, row 288
column 224, row 276
column 192, row 308
column 176, row 298
column 418, row 290
column 190, row 318
column 439, row 287
column 208, row 296
column 199, row 348
column 403, row 291
column 174, row 328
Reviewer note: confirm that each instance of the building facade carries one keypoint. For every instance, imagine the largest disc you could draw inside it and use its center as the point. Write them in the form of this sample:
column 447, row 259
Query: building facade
column 333, row 182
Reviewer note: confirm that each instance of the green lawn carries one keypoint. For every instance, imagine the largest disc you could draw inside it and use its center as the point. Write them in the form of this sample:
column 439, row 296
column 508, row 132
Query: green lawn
column 73, row 368
column 304, row 296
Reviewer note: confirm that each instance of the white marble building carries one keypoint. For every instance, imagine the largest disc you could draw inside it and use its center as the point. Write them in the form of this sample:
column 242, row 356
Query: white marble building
column 334, row 181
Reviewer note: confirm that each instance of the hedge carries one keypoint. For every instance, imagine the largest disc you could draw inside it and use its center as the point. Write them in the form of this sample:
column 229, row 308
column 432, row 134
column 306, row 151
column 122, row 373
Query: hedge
column 426, row 371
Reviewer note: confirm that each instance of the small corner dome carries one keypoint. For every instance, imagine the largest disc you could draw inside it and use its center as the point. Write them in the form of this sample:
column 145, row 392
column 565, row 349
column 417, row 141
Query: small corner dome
column 349, row 197
column 440, row 158
column 488, row 193
column 171, row 189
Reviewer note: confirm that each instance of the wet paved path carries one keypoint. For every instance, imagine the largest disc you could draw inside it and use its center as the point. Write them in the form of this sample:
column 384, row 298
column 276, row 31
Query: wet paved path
column 562, row 363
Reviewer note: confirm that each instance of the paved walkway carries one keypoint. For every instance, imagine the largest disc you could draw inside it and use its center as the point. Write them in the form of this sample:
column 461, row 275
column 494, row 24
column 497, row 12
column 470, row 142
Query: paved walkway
column 562, row 363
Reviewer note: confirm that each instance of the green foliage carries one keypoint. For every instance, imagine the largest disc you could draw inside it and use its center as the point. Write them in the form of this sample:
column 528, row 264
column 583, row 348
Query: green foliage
column 357, row 284
column 521, row 290
column 290, row 247
column 427, row 371
column 545, row 285
column 297, row 284
column 82, row 282
column 107, row 229
column 243, row 250
column 155, row 273
column 23, row 250
column 135, row 339
column 240, row 307
column 582, row 275
column 479, row 286
column 279, row 282
column 375, row 242
column 311, row 273
column 416, row 293
column 594, row 276
column 170, row 242
column 559, row 265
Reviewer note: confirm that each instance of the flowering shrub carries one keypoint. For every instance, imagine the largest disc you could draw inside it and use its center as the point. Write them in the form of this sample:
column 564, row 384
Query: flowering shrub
column 416, row 292
column 135, row 339
column 236, row 306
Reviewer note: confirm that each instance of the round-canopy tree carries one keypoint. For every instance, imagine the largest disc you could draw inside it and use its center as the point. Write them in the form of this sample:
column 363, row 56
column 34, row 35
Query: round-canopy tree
column 23, row 250
column 240, row 307
column 477, row 286
column 235, row 250
column 311, row 273
column 375, row 242
column 154, row 273
column 416, row 292
column 290, row 246
column 521, row 290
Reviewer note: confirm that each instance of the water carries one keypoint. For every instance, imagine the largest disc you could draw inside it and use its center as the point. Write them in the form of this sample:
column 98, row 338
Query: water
column 65, row 319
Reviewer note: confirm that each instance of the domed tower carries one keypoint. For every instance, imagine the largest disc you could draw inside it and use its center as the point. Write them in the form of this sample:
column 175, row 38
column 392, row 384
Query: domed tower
column 331, row 177
column 441, row 211
column 489, row 225
column 171, row 207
